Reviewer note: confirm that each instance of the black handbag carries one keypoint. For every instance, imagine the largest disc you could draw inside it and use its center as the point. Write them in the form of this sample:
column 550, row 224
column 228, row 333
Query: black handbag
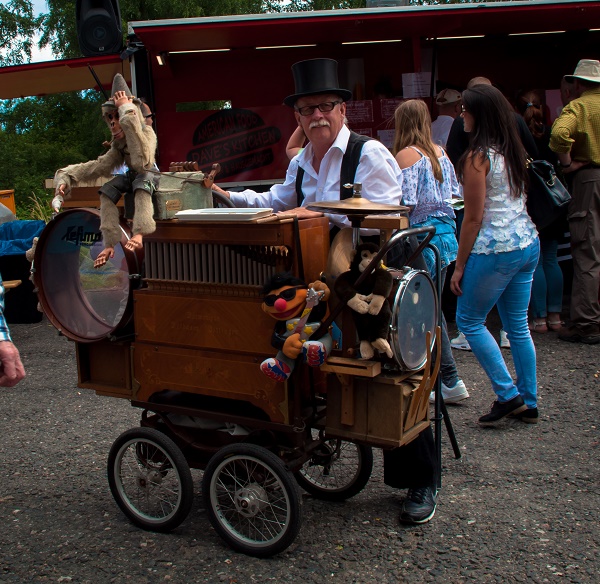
column 547, row 197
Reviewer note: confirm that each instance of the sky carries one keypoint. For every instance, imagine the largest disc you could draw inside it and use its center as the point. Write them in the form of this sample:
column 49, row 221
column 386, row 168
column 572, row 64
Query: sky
column 37, row 55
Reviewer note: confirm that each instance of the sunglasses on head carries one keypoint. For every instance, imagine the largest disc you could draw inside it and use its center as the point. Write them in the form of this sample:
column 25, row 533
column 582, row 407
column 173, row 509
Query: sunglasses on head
column 287, row 294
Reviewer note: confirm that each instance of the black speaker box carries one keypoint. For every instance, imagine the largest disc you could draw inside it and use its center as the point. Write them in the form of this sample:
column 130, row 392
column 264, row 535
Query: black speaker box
column 99, row 27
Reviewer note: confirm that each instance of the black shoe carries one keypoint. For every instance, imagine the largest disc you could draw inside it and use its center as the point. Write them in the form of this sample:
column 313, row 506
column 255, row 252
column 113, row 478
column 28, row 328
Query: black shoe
column 500, row 410
column 529, row 416
column 419, row 506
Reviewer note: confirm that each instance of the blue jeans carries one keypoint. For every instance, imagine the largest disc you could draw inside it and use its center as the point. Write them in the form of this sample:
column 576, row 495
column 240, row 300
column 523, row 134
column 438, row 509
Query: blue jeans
column 503, row 279
column 547, row 291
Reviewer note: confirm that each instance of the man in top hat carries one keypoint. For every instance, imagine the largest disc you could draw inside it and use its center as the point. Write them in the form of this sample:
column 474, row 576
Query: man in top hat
column 448, row 102
column 575, row 138
column 134, row 144
column 320, row 107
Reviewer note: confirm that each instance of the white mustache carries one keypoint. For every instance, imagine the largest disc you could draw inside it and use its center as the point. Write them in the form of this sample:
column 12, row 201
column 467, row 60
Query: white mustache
column 319, row 124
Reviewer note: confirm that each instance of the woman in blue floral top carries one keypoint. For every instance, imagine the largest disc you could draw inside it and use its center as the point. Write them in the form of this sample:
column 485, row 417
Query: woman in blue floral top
column 498, row 251
column 428, row 185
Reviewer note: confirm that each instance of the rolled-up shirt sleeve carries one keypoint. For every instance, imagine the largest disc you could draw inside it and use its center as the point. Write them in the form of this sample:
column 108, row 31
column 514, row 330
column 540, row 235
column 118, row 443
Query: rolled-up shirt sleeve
column 563, row 129
column 280, row 197
column 4, row 332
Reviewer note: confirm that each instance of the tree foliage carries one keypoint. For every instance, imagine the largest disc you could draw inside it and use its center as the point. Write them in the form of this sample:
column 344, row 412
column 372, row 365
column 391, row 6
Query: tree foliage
column 17, row 29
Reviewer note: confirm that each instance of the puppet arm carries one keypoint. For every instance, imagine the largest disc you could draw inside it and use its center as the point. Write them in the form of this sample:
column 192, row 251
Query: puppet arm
column 74, row 174
column 141, row 139
column 292, row 346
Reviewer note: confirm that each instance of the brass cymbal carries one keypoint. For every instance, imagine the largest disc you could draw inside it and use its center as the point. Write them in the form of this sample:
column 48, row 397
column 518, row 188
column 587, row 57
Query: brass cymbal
column 355, row 206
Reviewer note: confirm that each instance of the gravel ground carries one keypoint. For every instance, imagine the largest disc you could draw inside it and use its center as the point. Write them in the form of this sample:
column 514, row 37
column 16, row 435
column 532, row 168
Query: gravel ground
column 520, row 506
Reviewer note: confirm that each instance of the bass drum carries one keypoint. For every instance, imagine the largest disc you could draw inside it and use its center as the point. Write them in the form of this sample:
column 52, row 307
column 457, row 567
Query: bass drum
column 85, row 303
column 414, row 313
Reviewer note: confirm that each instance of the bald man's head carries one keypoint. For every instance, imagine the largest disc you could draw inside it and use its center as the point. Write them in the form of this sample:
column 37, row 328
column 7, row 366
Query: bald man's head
column 478, row 81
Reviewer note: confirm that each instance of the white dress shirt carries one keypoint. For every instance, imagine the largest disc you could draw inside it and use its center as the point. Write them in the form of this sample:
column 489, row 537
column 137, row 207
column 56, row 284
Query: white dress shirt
column 377, row 170
column 440, row 129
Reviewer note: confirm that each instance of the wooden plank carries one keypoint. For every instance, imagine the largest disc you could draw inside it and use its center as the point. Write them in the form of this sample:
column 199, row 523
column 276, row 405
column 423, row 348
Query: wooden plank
column 346, row 366
column 347, row 414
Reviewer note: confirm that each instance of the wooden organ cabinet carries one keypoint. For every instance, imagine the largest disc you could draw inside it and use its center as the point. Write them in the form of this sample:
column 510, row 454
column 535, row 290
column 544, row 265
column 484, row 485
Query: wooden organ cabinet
column 199, row 327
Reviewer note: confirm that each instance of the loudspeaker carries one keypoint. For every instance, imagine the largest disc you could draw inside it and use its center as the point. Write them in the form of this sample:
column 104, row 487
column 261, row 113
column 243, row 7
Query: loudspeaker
column 99, row 27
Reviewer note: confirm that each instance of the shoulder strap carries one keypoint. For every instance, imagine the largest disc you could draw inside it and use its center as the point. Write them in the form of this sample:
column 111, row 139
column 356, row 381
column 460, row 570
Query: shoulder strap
column 350, row 162
column 348, row 171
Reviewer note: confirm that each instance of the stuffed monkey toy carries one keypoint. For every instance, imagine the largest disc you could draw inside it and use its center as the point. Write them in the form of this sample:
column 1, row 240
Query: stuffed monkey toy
column 133, row 143
column 285, row 299
column 371, row 309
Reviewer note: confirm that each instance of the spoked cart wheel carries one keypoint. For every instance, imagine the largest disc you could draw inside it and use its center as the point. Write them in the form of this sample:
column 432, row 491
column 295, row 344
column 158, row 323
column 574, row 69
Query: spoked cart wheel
column 150, row 479
column 337, row 470
column 251, row 500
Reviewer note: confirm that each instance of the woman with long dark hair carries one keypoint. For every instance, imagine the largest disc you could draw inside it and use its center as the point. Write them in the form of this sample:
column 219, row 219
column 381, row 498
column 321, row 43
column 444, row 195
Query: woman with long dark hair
column 498, row 251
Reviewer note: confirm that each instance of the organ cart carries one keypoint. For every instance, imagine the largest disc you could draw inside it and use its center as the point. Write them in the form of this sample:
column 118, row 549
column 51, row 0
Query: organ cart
column 177, row 330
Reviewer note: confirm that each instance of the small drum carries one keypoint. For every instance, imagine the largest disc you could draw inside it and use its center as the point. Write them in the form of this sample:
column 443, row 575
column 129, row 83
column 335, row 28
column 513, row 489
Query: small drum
column 85, row 303
column 414, row 312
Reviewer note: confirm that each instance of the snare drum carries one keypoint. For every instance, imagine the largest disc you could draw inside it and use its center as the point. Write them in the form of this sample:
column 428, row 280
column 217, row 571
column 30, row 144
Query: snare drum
column 414, row 313
column 85, row 303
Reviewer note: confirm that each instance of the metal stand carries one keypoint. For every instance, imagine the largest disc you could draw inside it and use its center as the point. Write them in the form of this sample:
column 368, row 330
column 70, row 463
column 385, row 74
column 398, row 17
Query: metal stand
column 440, row 410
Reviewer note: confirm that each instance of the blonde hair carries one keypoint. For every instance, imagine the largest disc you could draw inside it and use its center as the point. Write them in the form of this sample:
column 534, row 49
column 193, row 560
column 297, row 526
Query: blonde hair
column 413, row 128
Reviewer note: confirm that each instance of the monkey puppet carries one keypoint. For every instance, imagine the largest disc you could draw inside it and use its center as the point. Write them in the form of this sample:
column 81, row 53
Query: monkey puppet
column 133, row 143
column 371, row 309
column 285, row 298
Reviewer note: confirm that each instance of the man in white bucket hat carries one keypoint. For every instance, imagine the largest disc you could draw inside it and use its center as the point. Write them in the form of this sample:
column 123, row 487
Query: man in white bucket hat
column 576, row 139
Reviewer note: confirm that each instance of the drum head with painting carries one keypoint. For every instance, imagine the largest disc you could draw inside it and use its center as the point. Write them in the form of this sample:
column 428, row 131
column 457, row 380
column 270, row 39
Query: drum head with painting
column 414, row 313
column 85, row 303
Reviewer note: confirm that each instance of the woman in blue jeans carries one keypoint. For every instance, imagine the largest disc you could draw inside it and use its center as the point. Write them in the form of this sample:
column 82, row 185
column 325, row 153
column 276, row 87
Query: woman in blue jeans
column 498, row 252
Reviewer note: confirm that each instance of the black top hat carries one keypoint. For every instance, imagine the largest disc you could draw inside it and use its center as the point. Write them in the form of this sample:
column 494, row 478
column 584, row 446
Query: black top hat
column 315, row 76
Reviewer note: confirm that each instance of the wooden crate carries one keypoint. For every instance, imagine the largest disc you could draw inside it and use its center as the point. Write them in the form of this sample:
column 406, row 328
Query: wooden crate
column 379, row 409
column 7, row 198
column 105, row 366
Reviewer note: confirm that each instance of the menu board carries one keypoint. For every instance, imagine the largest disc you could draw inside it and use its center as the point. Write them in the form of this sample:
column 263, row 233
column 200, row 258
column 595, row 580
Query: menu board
column 388, row 107
column 416, row 85
column 359, row 111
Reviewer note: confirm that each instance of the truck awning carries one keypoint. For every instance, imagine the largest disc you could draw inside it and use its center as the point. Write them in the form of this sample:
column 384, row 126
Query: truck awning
column 36, row 79
column 325, row 27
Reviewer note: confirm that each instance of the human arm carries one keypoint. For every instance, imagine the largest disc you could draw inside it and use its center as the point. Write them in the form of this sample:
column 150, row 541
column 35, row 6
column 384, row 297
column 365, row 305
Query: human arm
column 475, row 170
column 407, row 160
column 281, row 197
column 295, row 143
column 561, row 141
column 11, row 368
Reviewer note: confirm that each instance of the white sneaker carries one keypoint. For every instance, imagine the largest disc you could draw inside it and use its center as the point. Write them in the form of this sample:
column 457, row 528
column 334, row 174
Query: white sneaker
column 452, row 395
column 460, row 342
column 504, row 342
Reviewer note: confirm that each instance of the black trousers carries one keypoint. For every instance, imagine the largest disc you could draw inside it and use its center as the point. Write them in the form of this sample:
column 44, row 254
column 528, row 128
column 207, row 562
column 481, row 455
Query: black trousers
column 413, row 465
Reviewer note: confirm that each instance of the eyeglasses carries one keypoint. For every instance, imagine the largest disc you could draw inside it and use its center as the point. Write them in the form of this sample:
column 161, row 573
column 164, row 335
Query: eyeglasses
column 287, row 294
column 153, row 116
column 326, row 106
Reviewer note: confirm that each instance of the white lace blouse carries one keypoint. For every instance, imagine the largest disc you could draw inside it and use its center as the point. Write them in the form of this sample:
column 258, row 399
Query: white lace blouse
column 506, row 226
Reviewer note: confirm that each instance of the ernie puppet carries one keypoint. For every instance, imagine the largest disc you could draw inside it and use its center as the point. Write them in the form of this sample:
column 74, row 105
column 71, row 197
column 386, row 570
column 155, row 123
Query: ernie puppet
column 285, row 300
